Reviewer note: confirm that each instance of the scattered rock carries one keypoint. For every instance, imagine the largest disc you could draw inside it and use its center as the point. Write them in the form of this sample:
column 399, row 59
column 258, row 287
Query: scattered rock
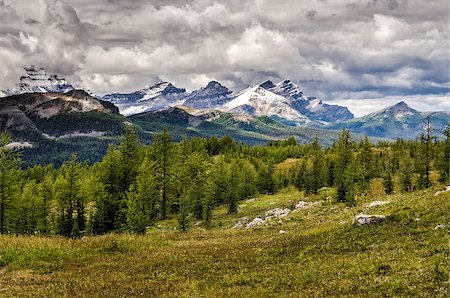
column 316, row 203
column 301, row 204
column 378, row 203
column 256, row 222
column 438, row 227
column 244, row 220
column 272, row 203
column 251, row 200
column 417, row 219
column 197, row 224
column 238, row 226
column 442, row 191
column 280, row 213
column 283, row 232
column 269, row 213
column 364, row 219
column 280, row 222
column 277, row 213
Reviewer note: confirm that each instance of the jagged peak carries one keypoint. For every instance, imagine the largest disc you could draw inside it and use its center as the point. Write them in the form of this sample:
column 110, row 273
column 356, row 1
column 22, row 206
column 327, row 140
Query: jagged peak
column 166, row 88
column 214, row 84
column 267, row 85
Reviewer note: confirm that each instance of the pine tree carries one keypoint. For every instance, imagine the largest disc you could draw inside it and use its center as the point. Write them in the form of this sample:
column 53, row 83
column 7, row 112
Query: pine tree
column 344, row 169
column 301, row 175
column 46, row 196
column 265, row 181
column 143, row 197
column 364, row 164
column 443, row 163
column 426, row 144
column 67, row 193
column 163, row 148
column 110, row 172
column 388, row 183
column 9, row 176
column 316, row 175
column 405, row 174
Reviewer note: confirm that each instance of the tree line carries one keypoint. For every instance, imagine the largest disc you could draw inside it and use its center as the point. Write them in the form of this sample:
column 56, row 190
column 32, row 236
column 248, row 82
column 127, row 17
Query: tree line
column 134, row 186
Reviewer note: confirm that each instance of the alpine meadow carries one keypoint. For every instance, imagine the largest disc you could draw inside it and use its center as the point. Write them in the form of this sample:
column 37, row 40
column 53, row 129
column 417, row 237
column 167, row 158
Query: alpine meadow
column 247, row 148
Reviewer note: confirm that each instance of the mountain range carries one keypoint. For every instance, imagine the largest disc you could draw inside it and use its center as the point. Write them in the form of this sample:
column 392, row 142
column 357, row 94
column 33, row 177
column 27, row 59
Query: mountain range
column 284, row 102
column 46, row 111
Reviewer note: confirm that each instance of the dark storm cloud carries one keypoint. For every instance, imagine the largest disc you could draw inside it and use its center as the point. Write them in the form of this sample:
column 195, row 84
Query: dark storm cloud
column 338, row 50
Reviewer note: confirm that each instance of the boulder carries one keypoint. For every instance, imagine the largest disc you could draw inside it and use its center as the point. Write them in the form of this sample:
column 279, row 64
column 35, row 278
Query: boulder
column 447, row 189
column 256, row 222
column 280, row 213
column 301, row 204
column 238, row 226
column 365, row 219
column 438, row 227
column 244, row 220
column 283, row 232
column 378, row 203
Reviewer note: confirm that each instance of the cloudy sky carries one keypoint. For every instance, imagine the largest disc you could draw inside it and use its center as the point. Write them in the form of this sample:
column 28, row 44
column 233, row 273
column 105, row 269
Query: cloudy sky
column 365, row 54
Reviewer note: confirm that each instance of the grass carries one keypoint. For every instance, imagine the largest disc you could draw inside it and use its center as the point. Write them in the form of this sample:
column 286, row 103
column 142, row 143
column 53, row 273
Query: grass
column 322, row 254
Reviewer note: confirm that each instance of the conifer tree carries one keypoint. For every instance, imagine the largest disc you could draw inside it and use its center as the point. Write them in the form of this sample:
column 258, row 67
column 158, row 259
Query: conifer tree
column 143, row 198
column 316, row 175
column 67, row 192
column 344, row 169
column 46, row 196
column 9, row 178
column 301, row 175
column 443, row 163
column 265, row 181
column 406, row 174
column 110, row 172
column 163, row 148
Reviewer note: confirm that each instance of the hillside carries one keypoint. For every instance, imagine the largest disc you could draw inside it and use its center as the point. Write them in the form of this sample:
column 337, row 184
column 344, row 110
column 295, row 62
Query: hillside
column 183, row 122
column 321, row 254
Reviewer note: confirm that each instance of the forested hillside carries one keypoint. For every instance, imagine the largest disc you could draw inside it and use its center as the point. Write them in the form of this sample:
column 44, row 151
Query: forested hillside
column 135, row 186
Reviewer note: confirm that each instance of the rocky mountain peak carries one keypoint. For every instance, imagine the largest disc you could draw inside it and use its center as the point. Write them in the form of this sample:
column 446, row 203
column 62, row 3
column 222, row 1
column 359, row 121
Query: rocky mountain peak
column 37, row 80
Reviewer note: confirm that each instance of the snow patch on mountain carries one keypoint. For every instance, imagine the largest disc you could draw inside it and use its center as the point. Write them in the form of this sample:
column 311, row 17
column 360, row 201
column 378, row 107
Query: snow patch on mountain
column 37, row 80
column 259, row 101
column 160, row 96
column 311, row 107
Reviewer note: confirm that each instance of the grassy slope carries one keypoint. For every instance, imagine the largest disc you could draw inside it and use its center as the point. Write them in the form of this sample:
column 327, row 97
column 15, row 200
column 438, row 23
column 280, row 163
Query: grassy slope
column 321, row 255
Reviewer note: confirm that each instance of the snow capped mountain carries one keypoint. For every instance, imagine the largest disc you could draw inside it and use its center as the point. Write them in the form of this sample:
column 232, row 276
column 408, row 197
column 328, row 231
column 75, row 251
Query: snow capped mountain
column 214, row 95
column 289, row 90
column 311, row 107
column 259, row 101
column 160, row 96
column 38, row 81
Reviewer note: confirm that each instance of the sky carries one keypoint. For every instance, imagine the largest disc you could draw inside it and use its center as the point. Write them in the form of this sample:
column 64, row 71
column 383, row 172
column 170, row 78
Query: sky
column 364, row 54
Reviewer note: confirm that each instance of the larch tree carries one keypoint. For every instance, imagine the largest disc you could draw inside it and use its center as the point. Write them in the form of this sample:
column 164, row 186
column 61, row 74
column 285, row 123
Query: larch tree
column 163, row 145
column 9, row 179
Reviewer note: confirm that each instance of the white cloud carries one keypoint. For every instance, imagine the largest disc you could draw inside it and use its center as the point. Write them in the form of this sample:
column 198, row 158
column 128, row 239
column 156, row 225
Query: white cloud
column 385, row 48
